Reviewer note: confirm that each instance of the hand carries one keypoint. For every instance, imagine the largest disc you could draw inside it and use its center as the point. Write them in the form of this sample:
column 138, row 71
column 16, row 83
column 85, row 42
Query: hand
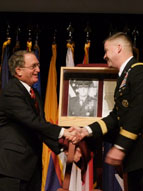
column 114, row 156
column 75, row 134
column 72, row 134
column 83, row 132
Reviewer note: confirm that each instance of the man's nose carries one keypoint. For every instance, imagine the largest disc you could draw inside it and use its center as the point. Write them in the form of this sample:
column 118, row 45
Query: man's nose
column 38, row 68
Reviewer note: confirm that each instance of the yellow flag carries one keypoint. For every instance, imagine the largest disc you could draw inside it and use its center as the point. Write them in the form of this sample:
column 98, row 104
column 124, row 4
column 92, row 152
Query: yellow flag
column 51, row 115
column 51, row 105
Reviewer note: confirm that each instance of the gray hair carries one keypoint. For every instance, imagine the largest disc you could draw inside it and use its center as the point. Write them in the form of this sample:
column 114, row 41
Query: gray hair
column 17, row 60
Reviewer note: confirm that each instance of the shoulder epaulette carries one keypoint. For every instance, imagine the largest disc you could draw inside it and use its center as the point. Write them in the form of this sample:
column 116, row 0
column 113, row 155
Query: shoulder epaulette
column 137, row 64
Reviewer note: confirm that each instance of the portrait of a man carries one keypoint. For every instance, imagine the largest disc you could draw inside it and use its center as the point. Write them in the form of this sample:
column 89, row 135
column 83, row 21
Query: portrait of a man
column 82, row 98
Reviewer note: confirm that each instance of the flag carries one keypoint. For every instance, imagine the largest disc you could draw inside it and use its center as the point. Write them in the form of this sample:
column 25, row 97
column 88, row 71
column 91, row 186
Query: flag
column 52, row 167
column 4, row 68
column 76, row 183
column 37, row 85
column 17, row 44
column 75, row 180
column 111, row 179
column 86, row 50
column 29, row 46
column 70, row 55
column 88, row 184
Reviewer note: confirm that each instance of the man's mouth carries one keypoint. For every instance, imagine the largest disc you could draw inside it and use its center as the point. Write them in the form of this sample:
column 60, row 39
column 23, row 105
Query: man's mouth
column 35, row 76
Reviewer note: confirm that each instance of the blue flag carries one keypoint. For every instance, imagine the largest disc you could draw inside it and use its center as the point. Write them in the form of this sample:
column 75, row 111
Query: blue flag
column 110, row 182
column 37, row 85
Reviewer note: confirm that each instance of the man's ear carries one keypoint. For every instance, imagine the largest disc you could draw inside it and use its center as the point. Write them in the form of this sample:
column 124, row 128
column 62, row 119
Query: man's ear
column 18, row 71
column 119, row 47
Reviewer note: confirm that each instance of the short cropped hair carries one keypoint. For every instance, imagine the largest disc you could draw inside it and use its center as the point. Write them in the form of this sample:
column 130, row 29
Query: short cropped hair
column 17, row 60
column 121, row 36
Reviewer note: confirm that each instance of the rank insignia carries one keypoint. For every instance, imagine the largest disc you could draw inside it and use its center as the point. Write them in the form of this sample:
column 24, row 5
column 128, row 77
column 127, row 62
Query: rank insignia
column 125, row 103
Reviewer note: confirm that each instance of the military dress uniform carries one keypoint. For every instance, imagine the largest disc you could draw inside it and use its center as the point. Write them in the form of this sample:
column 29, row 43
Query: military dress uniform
column 86, row 108
column 124, row 124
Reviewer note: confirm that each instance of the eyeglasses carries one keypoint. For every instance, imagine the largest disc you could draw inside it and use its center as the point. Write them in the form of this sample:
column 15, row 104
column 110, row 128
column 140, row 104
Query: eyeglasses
column 32, row 67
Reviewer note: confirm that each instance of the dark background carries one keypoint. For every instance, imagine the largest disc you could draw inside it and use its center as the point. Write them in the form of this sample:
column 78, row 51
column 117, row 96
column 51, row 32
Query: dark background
column 73, row 6
column 102, row 17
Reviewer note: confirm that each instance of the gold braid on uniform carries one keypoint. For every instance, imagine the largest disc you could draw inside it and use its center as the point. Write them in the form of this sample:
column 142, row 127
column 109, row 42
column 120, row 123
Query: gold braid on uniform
column 102, row 126
column 137, row 64
column 128, row 134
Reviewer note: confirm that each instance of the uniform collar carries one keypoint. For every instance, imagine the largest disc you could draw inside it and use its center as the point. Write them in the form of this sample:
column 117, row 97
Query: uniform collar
column 124, row 65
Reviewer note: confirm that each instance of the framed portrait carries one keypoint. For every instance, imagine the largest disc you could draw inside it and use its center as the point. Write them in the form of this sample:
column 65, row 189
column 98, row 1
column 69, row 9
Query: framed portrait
column 86, row 94
column 82, row 98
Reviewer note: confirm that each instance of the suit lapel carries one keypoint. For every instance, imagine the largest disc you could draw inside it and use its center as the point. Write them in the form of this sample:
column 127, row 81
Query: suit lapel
column 27, row 95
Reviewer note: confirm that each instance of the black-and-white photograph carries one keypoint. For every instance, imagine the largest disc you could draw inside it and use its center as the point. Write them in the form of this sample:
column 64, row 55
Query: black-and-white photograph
column 83, row 98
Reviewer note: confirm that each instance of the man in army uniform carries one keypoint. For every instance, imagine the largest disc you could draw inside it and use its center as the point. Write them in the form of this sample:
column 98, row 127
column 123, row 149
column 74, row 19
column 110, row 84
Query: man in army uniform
column 83, row 104
column 124, row 124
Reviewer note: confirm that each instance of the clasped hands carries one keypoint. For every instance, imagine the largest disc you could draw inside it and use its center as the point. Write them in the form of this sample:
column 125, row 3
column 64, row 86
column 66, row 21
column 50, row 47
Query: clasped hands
column 75, row 134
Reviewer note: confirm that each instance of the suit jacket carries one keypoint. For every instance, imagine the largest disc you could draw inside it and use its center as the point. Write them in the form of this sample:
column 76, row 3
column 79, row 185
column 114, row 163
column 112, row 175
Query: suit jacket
column 124, row 125
column 22, row 132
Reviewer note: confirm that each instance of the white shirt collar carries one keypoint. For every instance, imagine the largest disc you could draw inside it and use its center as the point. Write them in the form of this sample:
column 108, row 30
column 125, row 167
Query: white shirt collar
column 123, row 66
column 26, row 86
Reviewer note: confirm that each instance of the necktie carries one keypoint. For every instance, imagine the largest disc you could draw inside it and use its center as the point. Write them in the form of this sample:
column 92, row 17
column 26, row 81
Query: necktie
column 33, row 96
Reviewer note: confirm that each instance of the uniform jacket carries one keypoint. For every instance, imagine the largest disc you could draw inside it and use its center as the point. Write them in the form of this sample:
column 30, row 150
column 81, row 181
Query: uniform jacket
column 22, row 131
column 88, row 108
column 124, row 125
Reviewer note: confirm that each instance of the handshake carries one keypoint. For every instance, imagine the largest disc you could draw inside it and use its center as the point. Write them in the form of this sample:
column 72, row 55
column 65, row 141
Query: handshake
column 75, row 134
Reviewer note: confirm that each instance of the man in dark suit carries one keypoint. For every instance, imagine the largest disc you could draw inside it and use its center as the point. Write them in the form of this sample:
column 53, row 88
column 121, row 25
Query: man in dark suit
column 23, row 128
column 124, row 125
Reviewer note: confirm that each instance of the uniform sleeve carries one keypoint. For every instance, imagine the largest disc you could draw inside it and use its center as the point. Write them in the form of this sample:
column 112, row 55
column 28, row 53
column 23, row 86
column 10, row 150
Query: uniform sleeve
column 106, row 125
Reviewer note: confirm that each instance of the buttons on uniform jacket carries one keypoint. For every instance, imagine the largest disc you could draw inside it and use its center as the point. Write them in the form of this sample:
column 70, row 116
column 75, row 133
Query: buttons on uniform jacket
column 125, row 103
